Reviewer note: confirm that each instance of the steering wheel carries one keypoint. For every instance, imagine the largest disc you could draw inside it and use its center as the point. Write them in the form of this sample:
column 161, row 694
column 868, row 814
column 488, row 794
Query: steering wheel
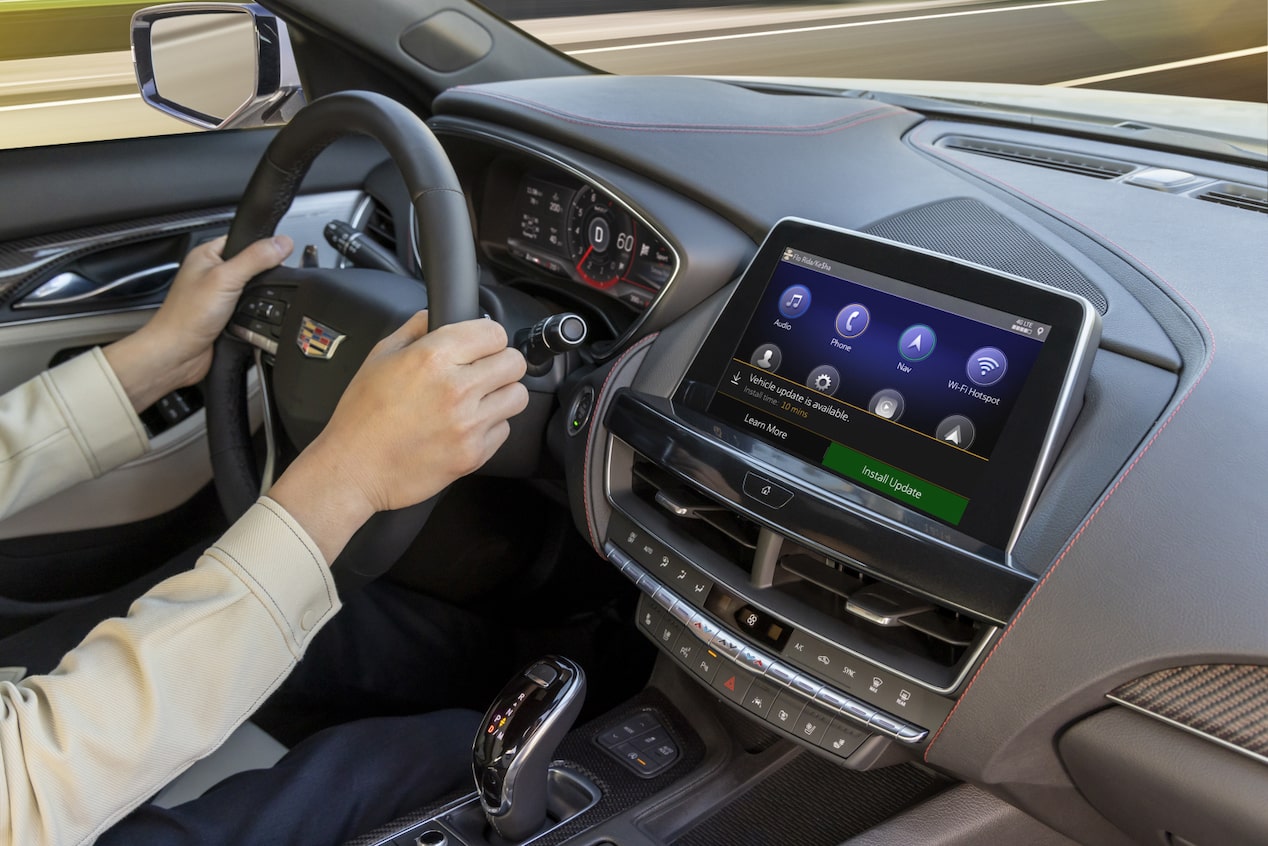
column 311, row 328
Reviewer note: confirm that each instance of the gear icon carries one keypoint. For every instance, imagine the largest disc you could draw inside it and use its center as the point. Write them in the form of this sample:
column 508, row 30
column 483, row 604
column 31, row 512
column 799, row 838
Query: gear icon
column 823, row 382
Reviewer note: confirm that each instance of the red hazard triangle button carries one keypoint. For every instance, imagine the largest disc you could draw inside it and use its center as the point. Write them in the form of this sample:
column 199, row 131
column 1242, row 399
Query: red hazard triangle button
column 729, row 684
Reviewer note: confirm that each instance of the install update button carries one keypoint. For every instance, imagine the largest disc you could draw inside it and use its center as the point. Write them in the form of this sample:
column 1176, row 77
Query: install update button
column 904, row 487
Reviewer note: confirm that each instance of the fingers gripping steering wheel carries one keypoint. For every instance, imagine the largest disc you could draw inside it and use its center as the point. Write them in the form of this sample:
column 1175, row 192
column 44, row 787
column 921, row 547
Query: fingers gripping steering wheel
column 311, row 328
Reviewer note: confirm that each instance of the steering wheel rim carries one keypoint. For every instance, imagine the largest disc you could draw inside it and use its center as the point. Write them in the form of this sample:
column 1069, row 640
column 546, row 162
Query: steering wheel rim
column 440, row 217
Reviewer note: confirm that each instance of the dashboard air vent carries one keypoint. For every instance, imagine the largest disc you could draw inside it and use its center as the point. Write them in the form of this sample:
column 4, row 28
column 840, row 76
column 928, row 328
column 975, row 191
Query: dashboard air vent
column 1063, row 160
column 869, row 614
column 1239, row 196
column 380, row 225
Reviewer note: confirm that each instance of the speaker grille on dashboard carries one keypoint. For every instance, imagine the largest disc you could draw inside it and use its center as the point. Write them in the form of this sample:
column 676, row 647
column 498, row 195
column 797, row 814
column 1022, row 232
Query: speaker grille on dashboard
column 969, row 229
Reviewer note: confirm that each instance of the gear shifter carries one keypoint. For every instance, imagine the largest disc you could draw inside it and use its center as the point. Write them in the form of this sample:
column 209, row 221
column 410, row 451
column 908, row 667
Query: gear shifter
column 517, row 740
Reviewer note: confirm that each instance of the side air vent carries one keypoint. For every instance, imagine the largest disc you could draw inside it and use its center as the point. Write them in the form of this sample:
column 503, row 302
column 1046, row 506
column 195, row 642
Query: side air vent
column 1239, row 196
column 869, row 615
column 381, row 226
column 1062, row 160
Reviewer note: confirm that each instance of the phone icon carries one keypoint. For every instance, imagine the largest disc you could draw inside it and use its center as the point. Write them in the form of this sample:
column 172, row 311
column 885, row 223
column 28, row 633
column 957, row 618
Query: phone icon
column 853, row 320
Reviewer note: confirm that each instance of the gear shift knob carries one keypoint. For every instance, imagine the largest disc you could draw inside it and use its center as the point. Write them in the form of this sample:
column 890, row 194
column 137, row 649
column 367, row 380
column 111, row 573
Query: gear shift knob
column 517, row 741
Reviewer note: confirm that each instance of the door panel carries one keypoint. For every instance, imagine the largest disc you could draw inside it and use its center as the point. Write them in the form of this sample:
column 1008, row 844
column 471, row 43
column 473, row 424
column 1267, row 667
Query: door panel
column 101, row 213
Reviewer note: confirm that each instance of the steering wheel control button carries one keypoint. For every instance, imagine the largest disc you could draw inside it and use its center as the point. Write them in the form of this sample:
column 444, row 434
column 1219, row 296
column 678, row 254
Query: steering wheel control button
column 786, row 711
column 767, row 357
column 887, row 404
column 842, row 739
column 987, row 366
column 956, row 430
column 825, row 379
column 765, row 491
column 916, row 343
column 853, row 320
column 794, row 302
column 759, row 698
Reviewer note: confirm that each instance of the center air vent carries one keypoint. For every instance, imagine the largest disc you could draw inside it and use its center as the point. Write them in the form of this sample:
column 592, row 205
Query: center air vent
column 869, row 616
column 1063, row 160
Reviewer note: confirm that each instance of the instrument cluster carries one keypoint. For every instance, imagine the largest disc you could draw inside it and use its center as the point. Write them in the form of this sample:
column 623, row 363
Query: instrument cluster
column 573, row 230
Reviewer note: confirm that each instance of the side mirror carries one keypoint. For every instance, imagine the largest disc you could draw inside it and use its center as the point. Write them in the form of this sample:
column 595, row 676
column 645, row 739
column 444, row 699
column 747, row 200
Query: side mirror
column 216, row 65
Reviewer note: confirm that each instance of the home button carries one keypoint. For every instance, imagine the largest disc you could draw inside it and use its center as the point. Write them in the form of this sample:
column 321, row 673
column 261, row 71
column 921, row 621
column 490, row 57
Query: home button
column 765, row 491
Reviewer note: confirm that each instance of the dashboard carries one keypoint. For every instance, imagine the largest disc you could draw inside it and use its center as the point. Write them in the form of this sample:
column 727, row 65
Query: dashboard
column 1004, row 651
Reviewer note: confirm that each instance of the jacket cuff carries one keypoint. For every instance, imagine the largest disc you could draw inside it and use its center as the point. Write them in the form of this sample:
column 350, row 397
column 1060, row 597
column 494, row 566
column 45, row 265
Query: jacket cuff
column 283, row 567
column 97, row 411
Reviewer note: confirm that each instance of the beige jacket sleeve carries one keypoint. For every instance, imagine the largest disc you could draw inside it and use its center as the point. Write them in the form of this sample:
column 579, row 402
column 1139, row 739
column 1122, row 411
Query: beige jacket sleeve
column 65, row 426
column 145, row 696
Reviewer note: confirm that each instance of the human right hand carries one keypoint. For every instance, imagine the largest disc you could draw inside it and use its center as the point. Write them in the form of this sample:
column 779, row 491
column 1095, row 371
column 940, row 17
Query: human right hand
column 425, row 409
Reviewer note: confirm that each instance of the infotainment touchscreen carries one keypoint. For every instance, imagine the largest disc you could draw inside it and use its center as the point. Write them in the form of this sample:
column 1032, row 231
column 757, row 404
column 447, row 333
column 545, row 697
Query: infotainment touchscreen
column 938, row 385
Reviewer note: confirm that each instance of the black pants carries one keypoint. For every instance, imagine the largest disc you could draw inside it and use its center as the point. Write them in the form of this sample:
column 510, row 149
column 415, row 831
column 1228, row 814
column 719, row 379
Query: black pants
column 376, row 674
column 336, row 785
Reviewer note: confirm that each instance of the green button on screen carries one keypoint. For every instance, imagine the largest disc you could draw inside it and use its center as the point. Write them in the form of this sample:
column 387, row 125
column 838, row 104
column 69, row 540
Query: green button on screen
column 904, row 487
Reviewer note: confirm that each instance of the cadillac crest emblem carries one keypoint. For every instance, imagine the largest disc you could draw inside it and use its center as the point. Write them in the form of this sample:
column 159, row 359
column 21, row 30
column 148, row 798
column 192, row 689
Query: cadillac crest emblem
column 317, row 340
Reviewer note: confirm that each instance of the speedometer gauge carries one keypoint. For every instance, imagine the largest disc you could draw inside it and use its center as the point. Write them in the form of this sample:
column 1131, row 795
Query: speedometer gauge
column 600, row 237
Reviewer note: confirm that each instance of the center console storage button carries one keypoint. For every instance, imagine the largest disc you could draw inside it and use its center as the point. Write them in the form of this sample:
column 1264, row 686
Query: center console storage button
column 765, row 491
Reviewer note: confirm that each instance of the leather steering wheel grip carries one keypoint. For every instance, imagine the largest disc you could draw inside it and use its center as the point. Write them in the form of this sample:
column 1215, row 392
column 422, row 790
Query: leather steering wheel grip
column 442, row 221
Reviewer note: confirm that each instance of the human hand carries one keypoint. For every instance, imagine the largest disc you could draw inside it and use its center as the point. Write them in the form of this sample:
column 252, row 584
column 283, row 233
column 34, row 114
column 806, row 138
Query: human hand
column 424, row 409
column 174, row 349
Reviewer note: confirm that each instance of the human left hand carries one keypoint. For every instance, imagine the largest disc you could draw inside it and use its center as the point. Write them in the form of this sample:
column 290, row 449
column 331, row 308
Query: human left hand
column 173, row 350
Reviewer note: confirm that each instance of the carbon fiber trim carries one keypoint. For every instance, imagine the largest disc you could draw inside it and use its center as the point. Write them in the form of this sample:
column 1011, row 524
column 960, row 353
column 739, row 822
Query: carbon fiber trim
column 24, row 261
column 1225, row 702
column 621, row 789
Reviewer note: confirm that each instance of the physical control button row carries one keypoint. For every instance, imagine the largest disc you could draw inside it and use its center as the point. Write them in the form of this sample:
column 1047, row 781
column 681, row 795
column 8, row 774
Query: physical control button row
column 753, row 679
column 641, row 744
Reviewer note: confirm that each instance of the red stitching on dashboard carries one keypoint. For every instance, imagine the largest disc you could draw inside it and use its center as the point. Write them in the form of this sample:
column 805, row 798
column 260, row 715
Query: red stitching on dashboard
column 1210, row 358
column 594, row 428
column 825, row 128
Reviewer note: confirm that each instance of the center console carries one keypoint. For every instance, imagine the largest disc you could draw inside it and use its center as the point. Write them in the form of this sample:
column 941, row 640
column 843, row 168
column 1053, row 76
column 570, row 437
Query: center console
column 821, row 517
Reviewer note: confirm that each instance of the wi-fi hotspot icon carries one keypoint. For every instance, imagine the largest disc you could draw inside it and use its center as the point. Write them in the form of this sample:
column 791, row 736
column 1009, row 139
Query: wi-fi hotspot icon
column 987, row 366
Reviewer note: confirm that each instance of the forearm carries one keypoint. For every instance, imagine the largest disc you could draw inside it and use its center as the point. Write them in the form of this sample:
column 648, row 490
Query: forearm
column 144, row 696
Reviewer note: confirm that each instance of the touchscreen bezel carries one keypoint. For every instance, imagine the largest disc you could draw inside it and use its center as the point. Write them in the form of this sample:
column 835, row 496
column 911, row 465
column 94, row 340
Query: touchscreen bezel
column 1041, row 416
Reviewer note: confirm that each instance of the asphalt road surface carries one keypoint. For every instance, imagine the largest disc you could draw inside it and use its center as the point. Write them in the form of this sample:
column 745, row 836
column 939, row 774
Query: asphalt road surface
column 1125, row 44
column 1197, row 48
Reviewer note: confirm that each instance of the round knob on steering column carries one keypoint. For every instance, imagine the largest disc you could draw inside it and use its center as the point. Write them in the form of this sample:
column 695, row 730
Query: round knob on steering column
column 549, row 337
